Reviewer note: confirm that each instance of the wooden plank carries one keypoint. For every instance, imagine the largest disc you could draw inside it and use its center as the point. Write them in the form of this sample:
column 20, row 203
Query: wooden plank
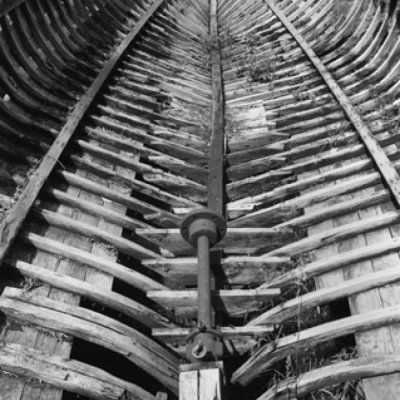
column 100, row 211
column 188, row 385
column 335, row 261
column 235, row 346
column 234, row 302
column 164, row 218
column 365, row 367
column 290, row 308
column 106, row 265
column 236, row 270
column 228, row 332
column 340, row 233
column 203, row 384
column 301, row 341
column 30, row 336
column 210, row 384
column 11, row 225
column 93, row 327
column 386, row 168
column 237, row 240
column 124, row 245
column 70, row 375
column 104, row 296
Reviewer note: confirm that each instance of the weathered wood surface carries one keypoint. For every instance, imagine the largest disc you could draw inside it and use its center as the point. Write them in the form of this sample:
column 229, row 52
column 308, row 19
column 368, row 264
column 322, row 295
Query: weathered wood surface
column 327, row 182
column 236, row 241
column 94, row 327
column 301, row 170
column 96, row 261
column 301, row 341
column 203, row 384
column 234, row 302
column 16, row 217
column 383, row 163
column 97, row 183
column 241, row 270
column 327, row 295
column 113, row 300
column 65, row 374
column 179, row 334
column 330, row 375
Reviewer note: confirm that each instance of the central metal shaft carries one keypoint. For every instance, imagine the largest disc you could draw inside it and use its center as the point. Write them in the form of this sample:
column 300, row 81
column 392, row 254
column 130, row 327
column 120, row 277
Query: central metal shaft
column 205, row 227
column 204, row 282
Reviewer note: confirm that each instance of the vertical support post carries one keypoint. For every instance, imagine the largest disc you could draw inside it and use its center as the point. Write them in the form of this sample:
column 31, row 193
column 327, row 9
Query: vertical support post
column 201, row 384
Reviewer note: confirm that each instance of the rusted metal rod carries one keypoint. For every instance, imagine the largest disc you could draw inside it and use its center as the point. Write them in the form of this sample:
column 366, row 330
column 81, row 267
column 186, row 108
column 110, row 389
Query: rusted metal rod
column 204, row 313
column 203, row 228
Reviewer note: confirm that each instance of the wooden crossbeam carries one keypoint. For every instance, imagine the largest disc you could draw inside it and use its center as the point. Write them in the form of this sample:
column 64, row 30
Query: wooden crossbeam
column 237, row 270
column 234, row 302
column 237, row 240
column 227, row 332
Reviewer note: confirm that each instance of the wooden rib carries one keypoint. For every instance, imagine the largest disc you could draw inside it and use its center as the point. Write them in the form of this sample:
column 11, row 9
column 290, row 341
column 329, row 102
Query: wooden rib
column 301, row 341
column 345, row 371
column 386, row 168
column 273, row 213
column 163, row 217
column 290, row 308
column 124, row 245
column 93, row 327
column 113, row 300
column 146, row 189
column 70, row 375
column 88, row 207
column 341, row 233
column 177, row 184
column 11, row 225
column 287, row 189
column 125, row 274
column 335, row 262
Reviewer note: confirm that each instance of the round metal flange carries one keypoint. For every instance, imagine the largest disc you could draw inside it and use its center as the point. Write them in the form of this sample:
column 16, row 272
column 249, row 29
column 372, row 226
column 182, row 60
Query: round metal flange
column 203, row 221
column 204, row 345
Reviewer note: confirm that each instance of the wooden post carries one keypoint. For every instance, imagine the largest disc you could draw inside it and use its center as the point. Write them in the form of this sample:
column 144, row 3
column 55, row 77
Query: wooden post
column 201, row 382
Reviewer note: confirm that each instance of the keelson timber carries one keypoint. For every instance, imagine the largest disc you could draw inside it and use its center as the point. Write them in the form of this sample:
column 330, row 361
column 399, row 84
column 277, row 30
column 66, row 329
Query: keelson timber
column 199, row 199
